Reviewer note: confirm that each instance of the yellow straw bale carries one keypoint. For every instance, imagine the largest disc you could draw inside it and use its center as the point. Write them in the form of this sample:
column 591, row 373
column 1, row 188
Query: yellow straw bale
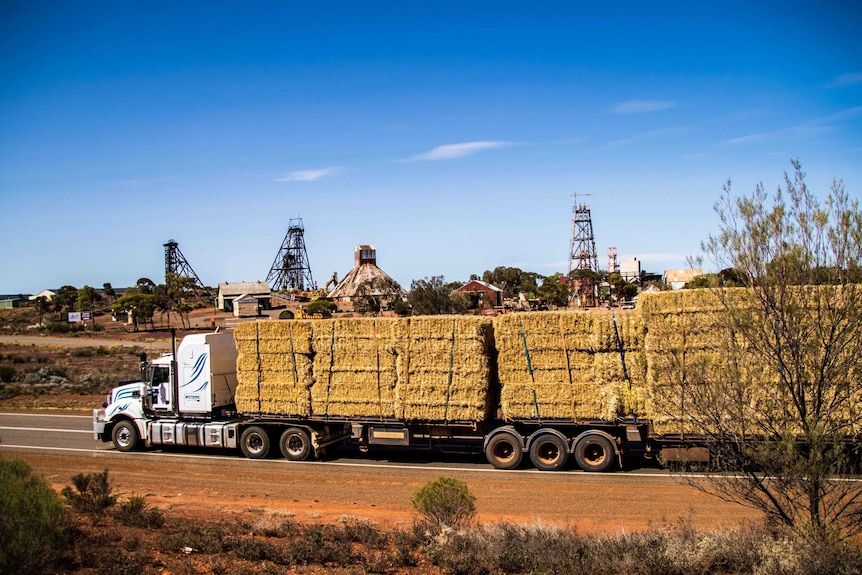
column 273, row 368
column 444, row 368
column 354, row 368
column 548, row 366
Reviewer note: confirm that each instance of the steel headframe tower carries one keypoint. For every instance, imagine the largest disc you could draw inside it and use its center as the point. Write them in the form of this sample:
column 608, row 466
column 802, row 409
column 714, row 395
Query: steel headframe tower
column 291, row 270
column 582, row 255
column 176, row 263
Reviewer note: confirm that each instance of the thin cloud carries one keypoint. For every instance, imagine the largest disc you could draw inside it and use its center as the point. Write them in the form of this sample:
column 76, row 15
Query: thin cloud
column 454, row 151
column 311, row 175
column 651, row 135
column 807, row 129
column 845, row 80
column 641, row 106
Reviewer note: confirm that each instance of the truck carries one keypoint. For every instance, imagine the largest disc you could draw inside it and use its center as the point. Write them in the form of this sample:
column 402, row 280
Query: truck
column 187, row 398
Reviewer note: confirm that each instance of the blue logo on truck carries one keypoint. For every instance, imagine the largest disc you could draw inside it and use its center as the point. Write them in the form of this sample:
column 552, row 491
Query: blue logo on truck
column 197, row 371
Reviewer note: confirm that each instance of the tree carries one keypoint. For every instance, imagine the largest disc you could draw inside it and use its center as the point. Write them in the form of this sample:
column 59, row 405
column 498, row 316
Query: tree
column 42, row 306
column 109, row 292
column 372, row 295
column 779, row 410
column 430, row 296
column 170, row 297
column 554, row 291
column 65, row 299
column 145, row 285
column 140, row 306
column 513, row 281
column 87, row 297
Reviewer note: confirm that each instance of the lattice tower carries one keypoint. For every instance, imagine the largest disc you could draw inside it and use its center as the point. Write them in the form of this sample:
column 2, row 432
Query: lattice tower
column 583, row 255
column 613, row 266
column 176, row 263
column 291, row 269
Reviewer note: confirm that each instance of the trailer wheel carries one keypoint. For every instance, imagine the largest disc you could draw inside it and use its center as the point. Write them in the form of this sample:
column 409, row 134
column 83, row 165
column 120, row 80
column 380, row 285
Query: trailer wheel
column 548, row 452
column 503, row 451
column 125, row 436
column 295, row 444
column 595, row 452
column 254, row 442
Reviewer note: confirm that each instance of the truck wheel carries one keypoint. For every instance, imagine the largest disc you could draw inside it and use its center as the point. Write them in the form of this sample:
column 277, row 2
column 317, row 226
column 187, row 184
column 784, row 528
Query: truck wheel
column 295, row 444
column 504, row 450
column 548, row 452
column 254, row 442
column 125, row 436
column 595, row 452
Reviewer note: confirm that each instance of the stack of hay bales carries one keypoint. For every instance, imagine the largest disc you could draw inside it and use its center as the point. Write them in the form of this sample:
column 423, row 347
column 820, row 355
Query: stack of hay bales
column 631, row 396
column 688, row 346
column 274, row 367
column 566, row 365
column 424, row 368
column 445, row 368
column 354, row 368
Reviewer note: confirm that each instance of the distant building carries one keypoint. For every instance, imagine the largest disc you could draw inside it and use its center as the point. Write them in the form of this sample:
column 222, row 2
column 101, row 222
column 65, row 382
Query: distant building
column 246, row 306
column 364, row 269
column 676, row 279
column 489, row 296
column 630, row 270
column 228, row 292
column 13, row 301
column 48, row 294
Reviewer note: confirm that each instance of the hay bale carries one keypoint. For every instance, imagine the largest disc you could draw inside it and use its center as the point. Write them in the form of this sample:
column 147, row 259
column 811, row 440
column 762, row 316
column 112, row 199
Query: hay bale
column 274, row 368
column 444, row 368
column 561, row 365
column 354, row 368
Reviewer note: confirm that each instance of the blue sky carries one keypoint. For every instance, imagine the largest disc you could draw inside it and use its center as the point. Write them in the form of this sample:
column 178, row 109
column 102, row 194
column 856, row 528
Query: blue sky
column 451, row 135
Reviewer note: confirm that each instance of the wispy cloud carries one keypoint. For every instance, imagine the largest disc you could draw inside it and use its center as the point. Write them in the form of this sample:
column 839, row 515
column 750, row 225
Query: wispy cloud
column 844, row 80
column 453, row 151
column 804, row 130
column 641, row 106
column 311, row 175
column 650, row 135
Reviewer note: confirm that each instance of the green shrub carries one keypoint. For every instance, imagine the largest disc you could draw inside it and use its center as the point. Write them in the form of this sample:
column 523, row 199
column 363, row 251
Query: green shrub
column 33, row 522
column 286, row 314
column 445, row 501
column 135, row 512
column 7, row 373
column 92, row 493
column 323, row 306
column 209, row 538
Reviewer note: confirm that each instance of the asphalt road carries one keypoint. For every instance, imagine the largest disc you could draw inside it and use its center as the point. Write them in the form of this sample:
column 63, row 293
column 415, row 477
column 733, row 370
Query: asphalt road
column 377, row 486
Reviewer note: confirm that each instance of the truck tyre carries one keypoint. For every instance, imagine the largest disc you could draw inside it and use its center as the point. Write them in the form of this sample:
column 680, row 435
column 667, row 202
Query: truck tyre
column 295, row 444
column 549, row 452
column 125, row 436
column 254, row 442
column 503, row 451
column 595, row 453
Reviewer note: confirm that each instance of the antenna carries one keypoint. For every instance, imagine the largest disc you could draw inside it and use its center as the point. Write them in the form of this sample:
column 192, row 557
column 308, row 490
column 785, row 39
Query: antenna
column 291, row 269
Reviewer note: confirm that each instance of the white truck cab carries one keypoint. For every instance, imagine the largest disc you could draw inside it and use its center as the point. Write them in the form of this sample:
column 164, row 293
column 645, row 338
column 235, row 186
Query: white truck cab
column 178, row 401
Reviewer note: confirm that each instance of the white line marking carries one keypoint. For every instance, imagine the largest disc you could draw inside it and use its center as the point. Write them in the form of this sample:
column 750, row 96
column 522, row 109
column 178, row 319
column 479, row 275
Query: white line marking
column 17, row 414
column 87, row 431
column 112, row 452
